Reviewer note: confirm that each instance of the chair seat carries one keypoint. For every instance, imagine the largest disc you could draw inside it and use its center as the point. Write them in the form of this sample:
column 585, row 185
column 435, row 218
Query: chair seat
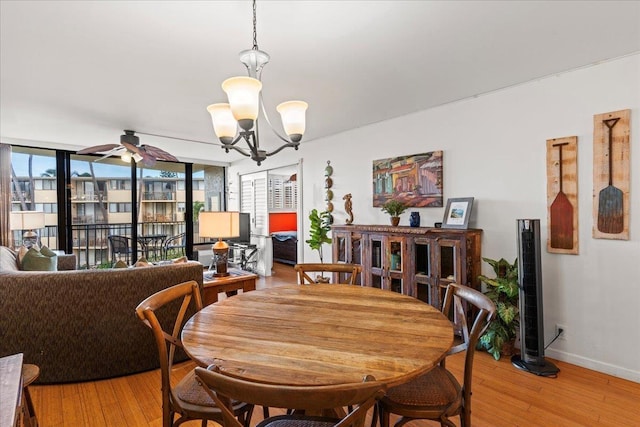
column 298, row 421
column 437, row 388
column 30, row 373
column 189, row 391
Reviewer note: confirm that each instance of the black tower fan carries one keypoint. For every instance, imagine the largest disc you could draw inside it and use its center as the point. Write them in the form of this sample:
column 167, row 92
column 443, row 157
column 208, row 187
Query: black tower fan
column 531, row 313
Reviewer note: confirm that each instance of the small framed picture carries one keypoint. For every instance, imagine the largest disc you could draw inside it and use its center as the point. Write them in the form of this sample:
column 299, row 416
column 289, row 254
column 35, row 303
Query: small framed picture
column 457, row 213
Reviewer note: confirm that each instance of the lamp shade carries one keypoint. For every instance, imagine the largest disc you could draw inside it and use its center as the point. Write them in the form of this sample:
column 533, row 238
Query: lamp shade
column 243, row 94
column 293, row 118
column 220, row 225
column 27, row 220
column 224, row 124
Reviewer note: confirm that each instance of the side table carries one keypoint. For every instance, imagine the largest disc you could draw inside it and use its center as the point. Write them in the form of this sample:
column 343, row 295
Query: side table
column 237, row 279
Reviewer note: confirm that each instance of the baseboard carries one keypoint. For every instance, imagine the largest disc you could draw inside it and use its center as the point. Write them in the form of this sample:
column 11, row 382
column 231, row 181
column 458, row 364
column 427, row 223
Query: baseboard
column 595, row 365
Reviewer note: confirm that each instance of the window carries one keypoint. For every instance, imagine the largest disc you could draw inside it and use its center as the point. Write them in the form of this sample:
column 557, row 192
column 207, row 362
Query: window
column 45, row 184
column 47, row 207
column 34, row 170
column 101, row 202
column 119, row 207
column 120, row 184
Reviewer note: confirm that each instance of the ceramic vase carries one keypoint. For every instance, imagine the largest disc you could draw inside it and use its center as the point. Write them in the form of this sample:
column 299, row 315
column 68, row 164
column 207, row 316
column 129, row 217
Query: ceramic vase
column 414, row 219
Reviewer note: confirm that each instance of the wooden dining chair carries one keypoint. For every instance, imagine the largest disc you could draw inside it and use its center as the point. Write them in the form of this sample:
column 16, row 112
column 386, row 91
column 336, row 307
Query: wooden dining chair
column 359, row 396
column 187, row 398
column 437, row 395
column 340, row 273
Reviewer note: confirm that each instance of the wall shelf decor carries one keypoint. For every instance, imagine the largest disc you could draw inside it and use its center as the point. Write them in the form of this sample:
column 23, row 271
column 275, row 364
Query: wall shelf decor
column 611, row 164
column 562, row 195
column 328, row 183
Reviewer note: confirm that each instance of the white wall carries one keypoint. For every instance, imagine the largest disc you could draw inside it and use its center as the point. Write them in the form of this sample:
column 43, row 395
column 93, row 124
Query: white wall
column 494, row 150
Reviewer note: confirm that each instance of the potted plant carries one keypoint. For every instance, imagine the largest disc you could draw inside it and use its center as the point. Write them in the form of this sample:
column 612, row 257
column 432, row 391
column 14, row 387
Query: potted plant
column 394, row 208
column 319, row 230
column 503, row 290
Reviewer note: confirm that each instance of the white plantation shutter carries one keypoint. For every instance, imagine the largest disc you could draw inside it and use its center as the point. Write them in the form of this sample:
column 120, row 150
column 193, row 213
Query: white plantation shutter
column 253, row 200
column 276, row 196
column 283, row 194
column 291, row 195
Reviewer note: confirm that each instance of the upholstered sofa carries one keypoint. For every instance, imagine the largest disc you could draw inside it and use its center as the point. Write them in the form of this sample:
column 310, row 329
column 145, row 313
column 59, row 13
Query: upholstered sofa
column 80, row 325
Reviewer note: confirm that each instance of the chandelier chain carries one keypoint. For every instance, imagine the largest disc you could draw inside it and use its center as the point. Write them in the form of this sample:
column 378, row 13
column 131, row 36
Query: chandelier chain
column 255, row 33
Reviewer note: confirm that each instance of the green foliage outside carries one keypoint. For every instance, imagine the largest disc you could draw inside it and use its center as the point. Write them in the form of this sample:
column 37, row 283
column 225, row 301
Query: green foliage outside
column 197, row 207
column 504, row 292
column 319, row 230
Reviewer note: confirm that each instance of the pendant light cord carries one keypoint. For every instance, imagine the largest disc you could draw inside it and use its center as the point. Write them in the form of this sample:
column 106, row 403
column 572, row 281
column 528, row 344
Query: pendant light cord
column 255, row 32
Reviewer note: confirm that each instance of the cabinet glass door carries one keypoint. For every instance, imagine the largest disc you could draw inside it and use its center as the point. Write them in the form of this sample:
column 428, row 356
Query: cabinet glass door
column 395, row 264
column 356, row 253
column 376, row 261
column 424, row 281
column 448, row 262
column 340, row 247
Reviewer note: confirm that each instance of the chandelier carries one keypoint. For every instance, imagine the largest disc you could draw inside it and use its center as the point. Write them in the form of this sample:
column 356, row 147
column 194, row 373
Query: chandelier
column 245, row 102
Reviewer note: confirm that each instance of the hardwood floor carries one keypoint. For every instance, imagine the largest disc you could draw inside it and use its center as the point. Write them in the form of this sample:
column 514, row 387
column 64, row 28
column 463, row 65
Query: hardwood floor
column 502, row 395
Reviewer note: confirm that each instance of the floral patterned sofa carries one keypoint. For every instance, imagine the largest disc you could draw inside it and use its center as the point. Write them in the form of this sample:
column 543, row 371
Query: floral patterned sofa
column 80, row 325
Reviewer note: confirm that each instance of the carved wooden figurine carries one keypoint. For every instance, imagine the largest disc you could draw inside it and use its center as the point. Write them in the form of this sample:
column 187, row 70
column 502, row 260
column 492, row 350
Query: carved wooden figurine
column 347, row 207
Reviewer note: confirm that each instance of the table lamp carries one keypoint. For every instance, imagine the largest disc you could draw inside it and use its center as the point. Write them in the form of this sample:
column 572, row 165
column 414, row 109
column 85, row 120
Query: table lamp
column 29, row 221
column 220, row 225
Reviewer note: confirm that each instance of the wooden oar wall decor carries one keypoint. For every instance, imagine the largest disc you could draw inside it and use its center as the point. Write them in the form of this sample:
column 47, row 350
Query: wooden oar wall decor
column 562, row 195
column 611, row 163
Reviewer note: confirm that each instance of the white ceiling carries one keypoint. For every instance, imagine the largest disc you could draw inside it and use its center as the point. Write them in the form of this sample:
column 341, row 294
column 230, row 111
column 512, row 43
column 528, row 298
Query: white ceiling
column 76, row 73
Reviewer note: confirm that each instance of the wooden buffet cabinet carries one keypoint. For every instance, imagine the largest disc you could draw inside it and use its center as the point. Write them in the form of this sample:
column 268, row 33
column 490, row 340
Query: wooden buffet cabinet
column 415, row 261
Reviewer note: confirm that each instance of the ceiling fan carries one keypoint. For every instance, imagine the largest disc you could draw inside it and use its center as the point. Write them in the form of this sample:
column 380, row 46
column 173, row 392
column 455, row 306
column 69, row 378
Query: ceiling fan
column 130, row 148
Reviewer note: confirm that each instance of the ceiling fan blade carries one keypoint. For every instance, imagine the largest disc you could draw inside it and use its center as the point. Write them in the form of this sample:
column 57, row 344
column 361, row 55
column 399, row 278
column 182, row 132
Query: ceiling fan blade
column 116, row 151
column 131, row 147
column 98, row 149
column 158, row 153
column 147, row 159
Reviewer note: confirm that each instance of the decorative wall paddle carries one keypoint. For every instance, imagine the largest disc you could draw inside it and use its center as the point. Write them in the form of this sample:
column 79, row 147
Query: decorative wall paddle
column 610, row 199
column 561, row 213
column 611, row 175
column 562, row 195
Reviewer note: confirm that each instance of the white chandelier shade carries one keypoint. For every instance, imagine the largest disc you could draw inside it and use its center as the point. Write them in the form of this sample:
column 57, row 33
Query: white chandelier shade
column 244, row 98
column 224, row 124
column 293, row 118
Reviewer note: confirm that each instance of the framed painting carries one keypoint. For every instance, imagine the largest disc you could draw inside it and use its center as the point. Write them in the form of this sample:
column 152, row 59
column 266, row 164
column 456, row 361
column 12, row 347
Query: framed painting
column 457, row 213
column 415, row 180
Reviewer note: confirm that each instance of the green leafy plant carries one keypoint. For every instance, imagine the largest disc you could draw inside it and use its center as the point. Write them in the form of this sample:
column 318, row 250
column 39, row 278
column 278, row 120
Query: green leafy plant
column 197, row 207
column 504, row 292
column 319, row 230
column 394, row 207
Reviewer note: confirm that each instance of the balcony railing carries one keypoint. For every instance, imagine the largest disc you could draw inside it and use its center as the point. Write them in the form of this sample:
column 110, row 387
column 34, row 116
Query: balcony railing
column 159, row 195
column 88, row 197
column 87, row 219
column 176, row 217
column 91, row 243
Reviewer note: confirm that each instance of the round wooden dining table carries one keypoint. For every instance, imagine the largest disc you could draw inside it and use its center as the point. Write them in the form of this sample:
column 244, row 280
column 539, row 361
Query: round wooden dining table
column 319, row 334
